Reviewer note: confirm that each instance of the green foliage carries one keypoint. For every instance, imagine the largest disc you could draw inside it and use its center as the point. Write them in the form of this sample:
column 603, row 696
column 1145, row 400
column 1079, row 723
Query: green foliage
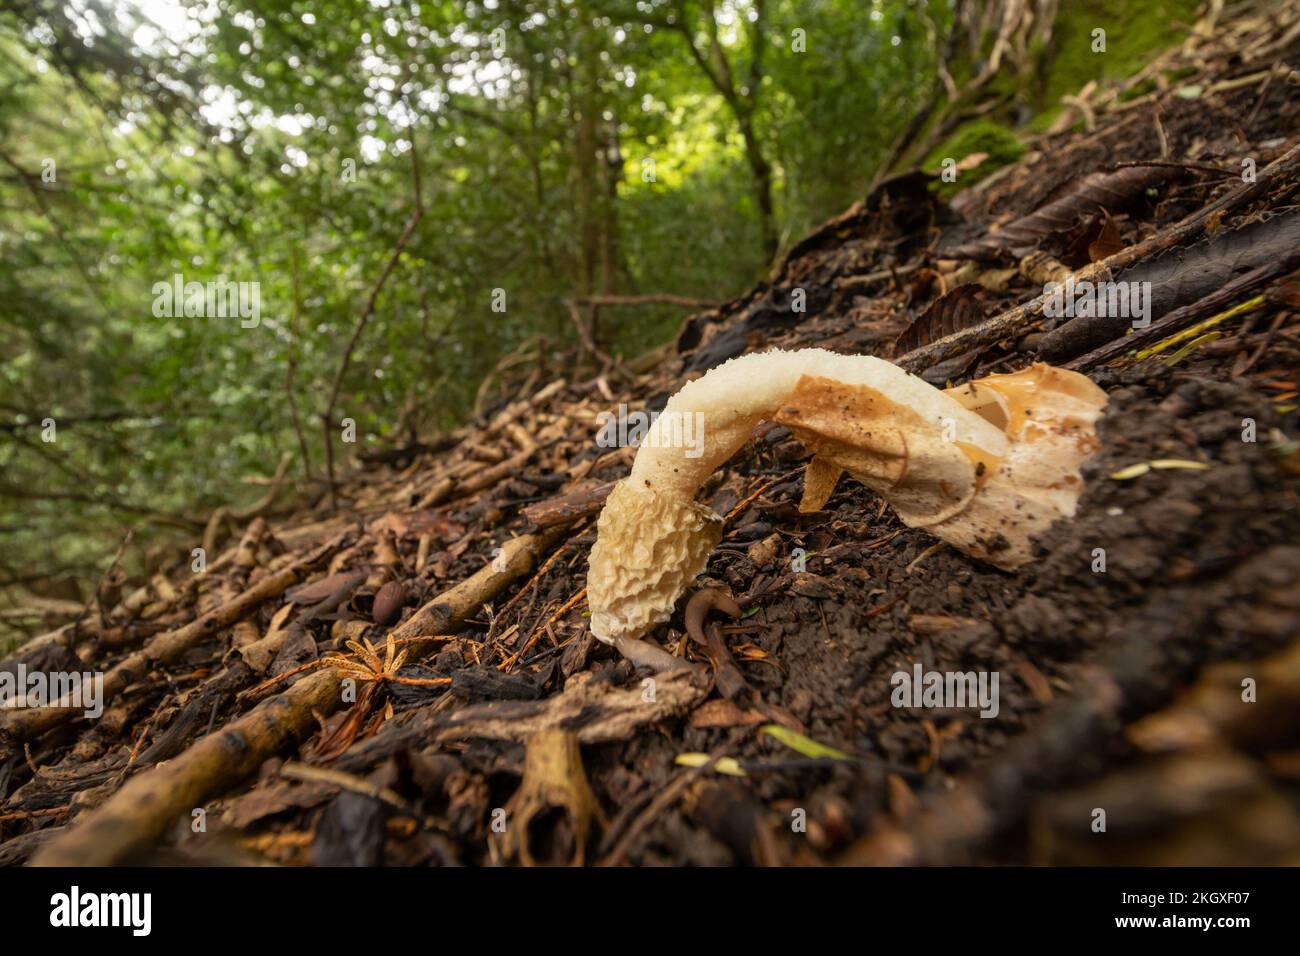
column 1133, row 32
column 978, row 136
column 564, row 148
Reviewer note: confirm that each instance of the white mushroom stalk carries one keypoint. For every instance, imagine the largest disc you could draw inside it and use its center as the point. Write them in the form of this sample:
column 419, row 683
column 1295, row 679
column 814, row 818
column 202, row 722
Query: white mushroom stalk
column 985, row 467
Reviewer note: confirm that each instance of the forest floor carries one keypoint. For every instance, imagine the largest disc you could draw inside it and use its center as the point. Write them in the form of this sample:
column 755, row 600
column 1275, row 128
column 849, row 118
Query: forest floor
column 495, row 729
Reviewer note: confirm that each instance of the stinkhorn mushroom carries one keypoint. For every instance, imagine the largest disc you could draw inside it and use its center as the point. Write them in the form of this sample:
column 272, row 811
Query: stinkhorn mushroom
column 986, row 466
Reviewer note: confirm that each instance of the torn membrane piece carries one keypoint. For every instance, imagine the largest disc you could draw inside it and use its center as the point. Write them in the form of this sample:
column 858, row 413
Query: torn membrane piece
column 985, row 467
column 925, row 471
column 1049, row 416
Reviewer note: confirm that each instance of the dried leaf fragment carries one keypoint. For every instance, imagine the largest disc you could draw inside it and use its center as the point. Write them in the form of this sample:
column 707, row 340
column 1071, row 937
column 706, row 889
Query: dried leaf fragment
column 1090, row 195
column 959, row 308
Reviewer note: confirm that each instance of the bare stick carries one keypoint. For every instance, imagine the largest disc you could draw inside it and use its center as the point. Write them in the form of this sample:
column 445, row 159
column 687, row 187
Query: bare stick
column 570, row 507
column 1188, row 315
column 585, row 332
column 143, row 810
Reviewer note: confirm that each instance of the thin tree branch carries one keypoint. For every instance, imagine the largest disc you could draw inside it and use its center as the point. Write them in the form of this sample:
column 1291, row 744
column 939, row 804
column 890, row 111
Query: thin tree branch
column 654, row 298
column 327, row 418
column 292, row 368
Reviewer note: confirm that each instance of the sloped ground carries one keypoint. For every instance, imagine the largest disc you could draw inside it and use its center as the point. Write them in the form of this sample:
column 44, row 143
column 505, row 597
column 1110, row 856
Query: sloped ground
column 1119, row 690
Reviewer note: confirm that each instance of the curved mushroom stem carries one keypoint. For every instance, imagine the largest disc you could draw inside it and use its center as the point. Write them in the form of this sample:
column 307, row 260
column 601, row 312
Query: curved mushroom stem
column 724, row 406
column 984, row 467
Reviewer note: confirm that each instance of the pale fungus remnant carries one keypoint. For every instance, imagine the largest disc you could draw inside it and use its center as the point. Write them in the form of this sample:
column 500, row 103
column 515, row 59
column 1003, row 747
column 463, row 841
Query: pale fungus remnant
column 985, row 467
column 554, row 801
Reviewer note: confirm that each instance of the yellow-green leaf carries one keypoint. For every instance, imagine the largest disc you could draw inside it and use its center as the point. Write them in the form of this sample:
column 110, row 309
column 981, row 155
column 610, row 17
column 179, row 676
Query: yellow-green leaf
column 804, row 745
column 1142, row 467
column 727, row 765
column 1132, row 471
